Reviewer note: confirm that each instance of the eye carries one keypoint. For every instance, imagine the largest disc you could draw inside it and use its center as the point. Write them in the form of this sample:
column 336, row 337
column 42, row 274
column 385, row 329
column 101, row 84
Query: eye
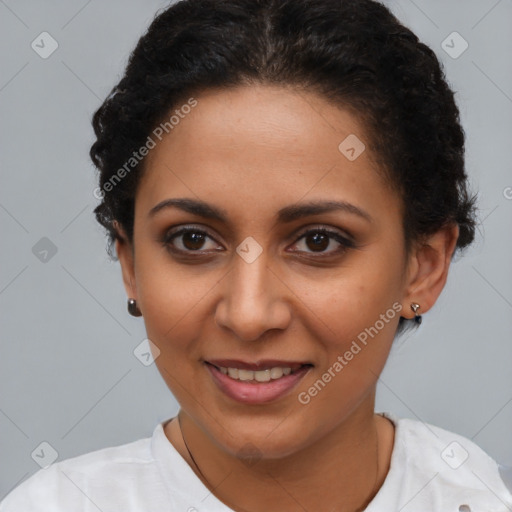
column 190, row 240
column 319, row 239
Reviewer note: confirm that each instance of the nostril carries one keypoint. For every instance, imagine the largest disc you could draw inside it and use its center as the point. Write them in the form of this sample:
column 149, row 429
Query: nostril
column 464, row 508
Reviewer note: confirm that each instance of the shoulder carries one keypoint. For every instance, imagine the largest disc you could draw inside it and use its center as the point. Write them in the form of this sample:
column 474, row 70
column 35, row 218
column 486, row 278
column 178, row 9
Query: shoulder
column 444, row 467
column 71, row 484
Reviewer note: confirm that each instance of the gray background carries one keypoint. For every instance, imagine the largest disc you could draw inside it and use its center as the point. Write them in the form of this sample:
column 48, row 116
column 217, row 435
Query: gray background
column 68, row 375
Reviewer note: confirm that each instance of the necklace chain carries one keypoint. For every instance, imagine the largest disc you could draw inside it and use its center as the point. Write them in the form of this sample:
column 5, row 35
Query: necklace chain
column 374, row 489
column 190, row 453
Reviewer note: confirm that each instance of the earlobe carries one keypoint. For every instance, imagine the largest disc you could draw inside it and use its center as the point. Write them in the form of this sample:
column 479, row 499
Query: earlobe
column 429, row 270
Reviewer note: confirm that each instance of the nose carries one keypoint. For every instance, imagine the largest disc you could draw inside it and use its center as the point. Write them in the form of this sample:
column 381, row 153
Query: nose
column 254, row 299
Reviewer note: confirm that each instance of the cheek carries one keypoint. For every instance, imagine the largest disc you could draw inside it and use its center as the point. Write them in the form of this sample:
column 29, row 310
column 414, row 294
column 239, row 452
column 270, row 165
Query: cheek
column 355, row 320
column 173, row 304
column 343, row 306
column 170, row 294
column 353, row 357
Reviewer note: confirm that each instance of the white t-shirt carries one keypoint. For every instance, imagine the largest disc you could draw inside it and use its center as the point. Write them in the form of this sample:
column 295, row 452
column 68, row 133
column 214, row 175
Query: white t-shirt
column 432, row 470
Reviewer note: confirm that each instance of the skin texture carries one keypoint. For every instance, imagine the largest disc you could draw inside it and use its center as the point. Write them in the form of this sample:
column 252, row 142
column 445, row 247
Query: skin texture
column 251, row 151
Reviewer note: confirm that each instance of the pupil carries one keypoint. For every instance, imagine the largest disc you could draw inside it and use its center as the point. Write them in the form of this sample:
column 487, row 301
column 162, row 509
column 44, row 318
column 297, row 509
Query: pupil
column 321, row 241
column 193, row 240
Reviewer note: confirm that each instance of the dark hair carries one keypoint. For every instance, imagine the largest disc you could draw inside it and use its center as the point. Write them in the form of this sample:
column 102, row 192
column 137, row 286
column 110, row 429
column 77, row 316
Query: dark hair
column 354, row 53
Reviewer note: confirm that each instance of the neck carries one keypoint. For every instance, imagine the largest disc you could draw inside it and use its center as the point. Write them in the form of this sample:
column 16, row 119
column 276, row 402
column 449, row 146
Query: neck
column 341, row 471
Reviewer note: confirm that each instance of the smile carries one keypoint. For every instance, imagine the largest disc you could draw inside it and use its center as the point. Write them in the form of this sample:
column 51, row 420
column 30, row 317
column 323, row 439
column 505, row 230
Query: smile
column 259, row 376
column 267, row 382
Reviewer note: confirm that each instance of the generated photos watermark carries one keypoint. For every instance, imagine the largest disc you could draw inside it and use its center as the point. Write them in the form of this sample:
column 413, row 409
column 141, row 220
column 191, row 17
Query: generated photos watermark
column 343, row 360
column 137, row 156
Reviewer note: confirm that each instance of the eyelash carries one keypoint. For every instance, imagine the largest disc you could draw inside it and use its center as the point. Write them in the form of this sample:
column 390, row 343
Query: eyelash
column 345, row 242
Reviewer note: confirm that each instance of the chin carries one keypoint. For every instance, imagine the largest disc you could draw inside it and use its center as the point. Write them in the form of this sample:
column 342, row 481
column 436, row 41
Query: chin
column 254, row 441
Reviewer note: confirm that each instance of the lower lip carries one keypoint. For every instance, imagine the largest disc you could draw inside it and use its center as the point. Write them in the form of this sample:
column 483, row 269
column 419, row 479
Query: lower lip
column 253, row 392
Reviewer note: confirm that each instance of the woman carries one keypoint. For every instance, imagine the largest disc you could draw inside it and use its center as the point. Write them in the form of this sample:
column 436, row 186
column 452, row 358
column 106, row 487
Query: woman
column 283, row 182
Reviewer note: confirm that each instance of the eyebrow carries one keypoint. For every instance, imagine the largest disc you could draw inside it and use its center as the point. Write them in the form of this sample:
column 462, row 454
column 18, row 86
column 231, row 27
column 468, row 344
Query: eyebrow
column 284, row 215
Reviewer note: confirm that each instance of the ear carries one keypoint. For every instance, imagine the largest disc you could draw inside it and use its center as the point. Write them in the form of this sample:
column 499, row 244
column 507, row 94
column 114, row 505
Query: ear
column 124, row 251
column 428, row 268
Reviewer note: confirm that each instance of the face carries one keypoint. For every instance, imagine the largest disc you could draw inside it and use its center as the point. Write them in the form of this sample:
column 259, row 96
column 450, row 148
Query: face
column 243, row 272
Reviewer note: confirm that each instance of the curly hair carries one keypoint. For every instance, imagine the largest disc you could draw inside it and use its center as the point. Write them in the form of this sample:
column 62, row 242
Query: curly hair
column 355, row 53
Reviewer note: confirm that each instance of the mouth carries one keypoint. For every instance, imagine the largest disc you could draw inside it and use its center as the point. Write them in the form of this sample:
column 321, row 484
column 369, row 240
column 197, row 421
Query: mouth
column 261, row 372
column 256, row 383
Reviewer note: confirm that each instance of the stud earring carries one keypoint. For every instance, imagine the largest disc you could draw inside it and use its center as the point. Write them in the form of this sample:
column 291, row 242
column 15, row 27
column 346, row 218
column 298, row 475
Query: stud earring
column 415, row 307
column 133, row 309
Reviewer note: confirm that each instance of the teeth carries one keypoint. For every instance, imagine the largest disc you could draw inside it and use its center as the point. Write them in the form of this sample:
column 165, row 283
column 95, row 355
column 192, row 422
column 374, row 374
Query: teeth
column 245, row 375
column 276, row 373
column 259, row 376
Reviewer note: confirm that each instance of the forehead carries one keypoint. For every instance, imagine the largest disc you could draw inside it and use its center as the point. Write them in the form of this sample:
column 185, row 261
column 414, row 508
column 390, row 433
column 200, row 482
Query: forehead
column 254, row 146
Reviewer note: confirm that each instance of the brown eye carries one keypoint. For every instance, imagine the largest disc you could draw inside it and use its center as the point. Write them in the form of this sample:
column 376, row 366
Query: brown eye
column 319, row 239
column 188, row 240
column 193, row 240
column 317, row 242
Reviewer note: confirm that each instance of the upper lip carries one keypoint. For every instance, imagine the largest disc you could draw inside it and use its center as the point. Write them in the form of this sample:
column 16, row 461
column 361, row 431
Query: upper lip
column 264, row 364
